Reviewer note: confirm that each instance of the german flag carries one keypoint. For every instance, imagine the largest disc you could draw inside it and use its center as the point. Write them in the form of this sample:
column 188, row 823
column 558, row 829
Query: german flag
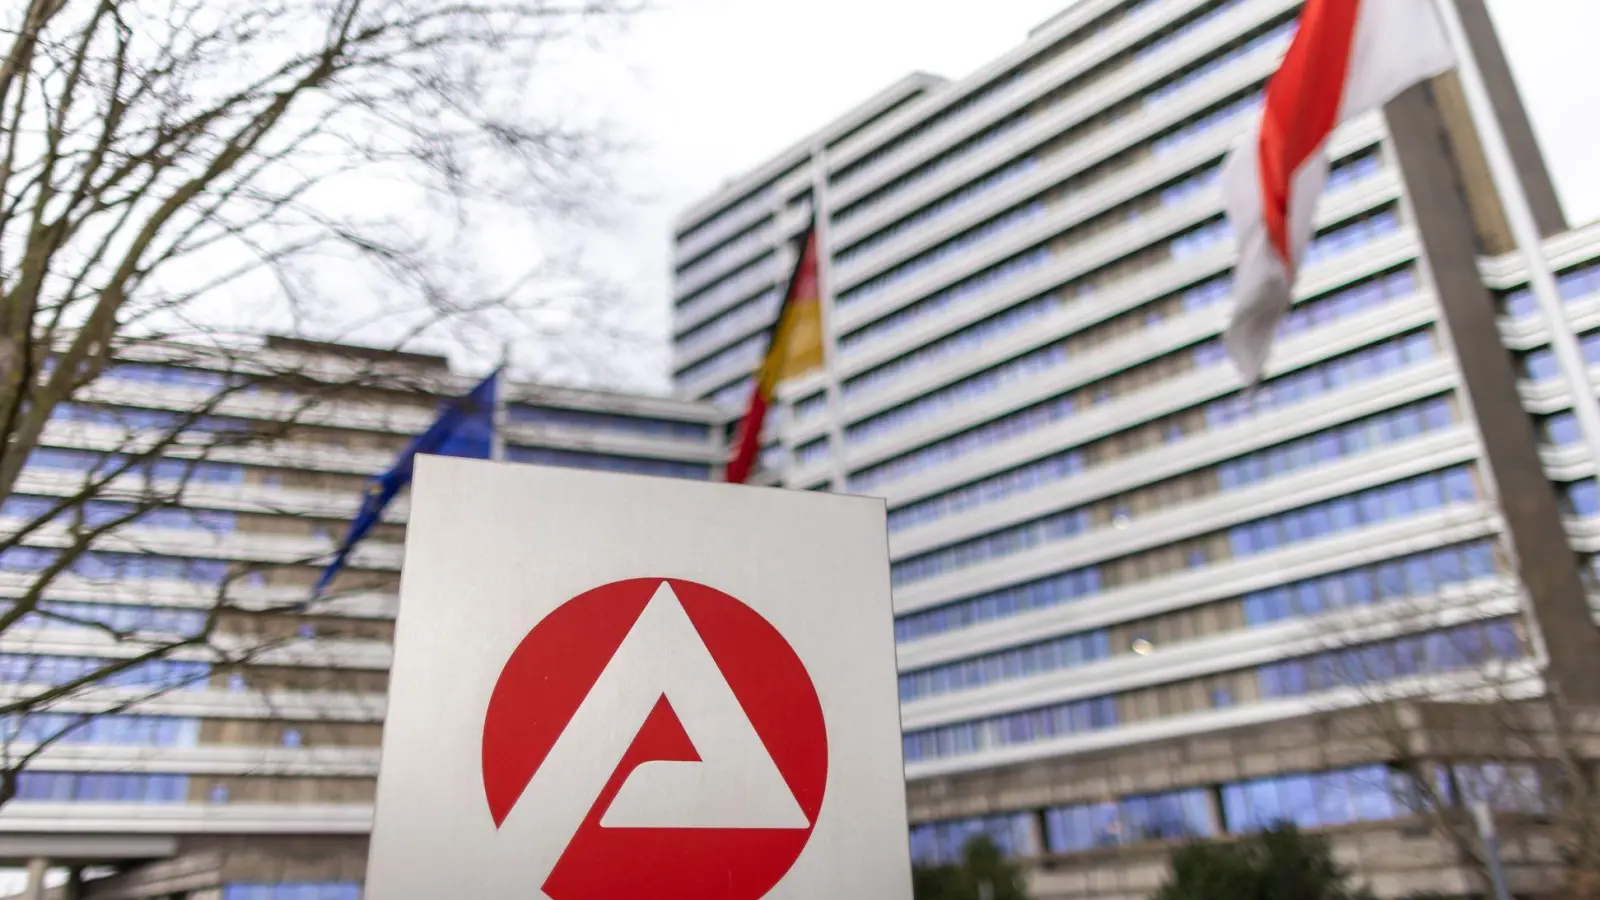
column 795, row 349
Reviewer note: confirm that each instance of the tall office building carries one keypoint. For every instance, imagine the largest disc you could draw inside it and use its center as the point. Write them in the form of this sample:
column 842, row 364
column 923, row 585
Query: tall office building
column 252, row 782
column 1116, row 580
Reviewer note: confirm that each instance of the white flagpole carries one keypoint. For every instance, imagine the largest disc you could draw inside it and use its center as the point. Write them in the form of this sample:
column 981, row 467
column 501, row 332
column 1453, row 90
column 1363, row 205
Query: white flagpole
column 1524, row 229
column 497, row 422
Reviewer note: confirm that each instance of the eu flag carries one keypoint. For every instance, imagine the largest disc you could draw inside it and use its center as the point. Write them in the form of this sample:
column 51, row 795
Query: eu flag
column 465, row 427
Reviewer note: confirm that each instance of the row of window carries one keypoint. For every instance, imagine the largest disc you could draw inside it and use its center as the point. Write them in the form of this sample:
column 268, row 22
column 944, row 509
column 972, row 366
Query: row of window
column 1064, row 652
column 109, row 566
column 733, row 395
column 1418, row 575
column 1363, row 365
column 305, row 890
column 1388, row 503
column 603, row 421
column 1324, row 447
column 931, row 168
column 1050, row 470
column 937, row 209
column 1351, row 235
column 1309, row 800
column 1173, row 84
column 1352, row 170
column 759, row 236
column 178, row 376
column 746, row 280
column 1583, row 498
column 1541, row 364
column 183, row 470
column 902, row 318
column 98, row 513
column 943, row 843
column 964, row 391
column 1201, row 238
column 1197, row 127
column 760, row 308
column 119, row 730
column 1181, row 191
column 1349, row 301
column 1562, row 429
column 966, row 738
column 995, row 545
column 1447, row 650
column 761, row 196
column 969, row 338
column 1056, row 590
column 25, row 668
column 948, row 249
column 1188, row 131
column 577, row 459
column 1372, row 794
column 135, row 419
column 117, row 616
column 743, row 352
column 1575, row 283
column 907, row 315
column 74, row 787
column 1168, row 816
column 1012, row 268
column 814, row 452
column 1003, row 323
column 1041, row 360
column 1452, row 649
column 1277, row 37
column 1322, row 310
column 971, row 101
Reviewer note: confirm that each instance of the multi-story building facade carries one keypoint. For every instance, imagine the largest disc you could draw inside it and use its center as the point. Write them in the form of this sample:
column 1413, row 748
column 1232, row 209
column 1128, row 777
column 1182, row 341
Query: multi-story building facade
column 1113, row 573
column 251, row 781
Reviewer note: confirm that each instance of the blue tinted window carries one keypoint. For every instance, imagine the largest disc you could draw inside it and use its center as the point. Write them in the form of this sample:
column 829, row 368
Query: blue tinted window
column 1584, row 497
column 1346, row 440
column 1562, row 429
column 1004, row 730
column 1455, row 648
column 603, row 421
column 21, row 668
column 1375, row 361
column 940, row 843
column 578, row 459
column 108, row 729
column 1540, row 365
column 1370, row 507
column 1060, row 653
column 71, row 787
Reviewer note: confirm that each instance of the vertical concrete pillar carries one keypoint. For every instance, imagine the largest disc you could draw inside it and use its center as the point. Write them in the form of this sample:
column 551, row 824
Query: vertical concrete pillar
column 34, row 889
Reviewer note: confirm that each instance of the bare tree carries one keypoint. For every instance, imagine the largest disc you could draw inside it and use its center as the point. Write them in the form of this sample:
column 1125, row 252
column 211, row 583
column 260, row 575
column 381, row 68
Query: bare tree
column 1449, row 687
column 177, row 176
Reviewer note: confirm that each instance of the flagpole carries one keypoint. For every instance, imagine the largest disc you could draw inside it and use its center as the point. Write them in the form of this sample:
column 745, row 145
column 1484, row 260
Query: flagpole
column 497, row 421
column 1524, row 228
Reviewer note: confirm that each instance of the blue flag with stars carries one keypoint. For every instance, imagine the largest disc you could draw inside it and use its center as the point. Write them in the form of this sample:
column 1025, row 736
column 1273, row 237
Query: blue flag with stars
column 465, row 428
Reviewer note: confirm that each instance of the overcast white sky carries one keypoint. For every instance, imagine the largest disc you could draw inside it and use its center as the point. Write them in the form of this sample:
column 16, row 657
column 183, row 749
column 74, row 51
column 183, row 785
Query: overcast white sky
column 706, row 89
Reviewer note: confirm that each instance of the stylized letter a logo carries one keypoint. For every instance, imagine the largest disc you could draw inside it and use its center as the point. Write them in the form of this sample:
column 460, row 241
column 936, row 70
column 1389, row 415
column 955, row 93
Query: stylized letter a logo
column 658, row 738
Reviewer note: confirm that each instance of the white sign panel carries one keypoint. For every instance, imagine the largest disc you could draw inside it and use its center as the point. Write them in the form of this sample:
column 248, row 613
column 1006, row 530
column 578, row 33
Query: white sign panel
column 609, row 687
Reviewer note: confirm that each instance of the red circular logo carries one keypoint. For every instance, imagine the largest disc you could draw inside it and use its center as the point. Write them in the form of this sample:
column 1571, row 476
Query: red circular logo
column 684, row 684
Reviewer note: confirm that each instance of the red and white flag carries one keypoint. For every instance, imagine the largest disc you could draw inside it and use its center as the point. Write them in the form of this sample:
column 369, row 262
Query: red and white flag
column 1349, row 57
